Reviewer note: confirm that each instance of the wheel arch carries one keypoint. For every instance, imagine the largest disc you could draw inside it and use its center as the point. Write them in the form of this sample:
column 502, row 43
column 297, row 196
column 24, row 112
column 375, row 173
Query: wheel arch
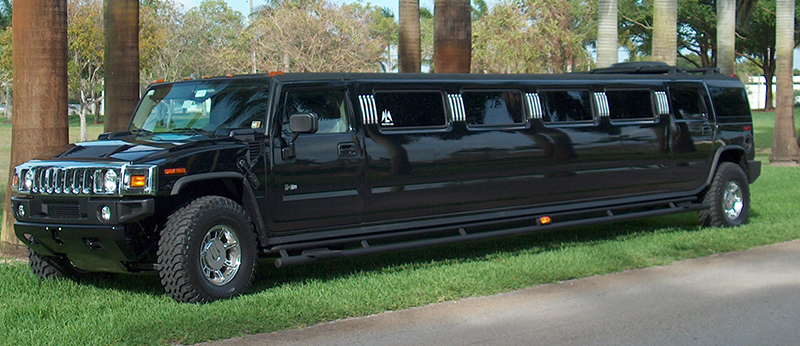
column 729, row 153
column 226, row 184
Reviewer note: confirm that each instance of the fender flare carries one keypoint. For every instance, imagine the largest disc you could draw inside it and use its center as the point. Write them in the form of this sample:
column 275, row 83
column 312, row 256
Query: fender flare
column 248, row 198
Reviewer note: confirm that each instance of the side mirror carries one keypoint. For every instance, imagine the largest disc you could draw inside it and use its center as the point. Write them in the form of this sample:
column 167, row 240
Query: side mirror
column 299, row 123
column 303, row 123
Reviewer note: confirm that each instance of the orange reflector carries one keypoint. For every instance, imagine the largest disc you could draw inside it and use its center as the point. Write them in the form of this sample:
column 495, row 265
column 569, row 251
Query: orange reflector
column 138, row 180
column 160, row 80
column 545, row 220
column 274, row 73
column 173, row 171
column 229, row 75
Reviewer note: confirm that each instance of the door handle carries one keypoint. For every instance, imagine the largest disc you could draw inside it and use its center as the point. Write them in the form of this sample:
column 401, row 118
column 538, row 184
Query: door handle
column 348, row 149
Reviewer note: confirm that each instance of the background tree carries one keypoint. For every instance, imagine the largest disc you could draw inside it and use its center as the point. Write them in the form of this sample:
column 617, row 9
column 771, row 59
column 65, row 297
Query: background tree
column 40, row 78
column 452, row 40
column 121, row 61
column 211, row 36
column 665, row 18
column 408, row 42
column 607, row 33
column 534, row 36
column 756, row 42
column 163, row 54
column 726, row 36
column 85, row 66
column 6, row 80
column 317, row 36
column 785, row 149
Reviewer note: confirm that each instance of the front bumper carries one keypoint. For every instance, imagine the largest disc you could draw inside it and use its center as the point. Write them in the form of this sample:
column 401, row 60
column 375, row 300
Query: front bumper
column 73, row 228
column 88, row 247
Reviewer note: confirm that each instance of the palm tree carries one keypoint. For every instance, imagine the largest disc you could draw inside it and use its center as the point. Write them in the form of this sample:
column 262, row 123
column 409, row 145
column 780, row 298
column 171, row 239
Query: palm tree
column 121, row 60
column 665, row 31
column 726, row 36
column 607, row 35
column 39, row 61
column 409, row 51
column 785, row 148
column 452, row 36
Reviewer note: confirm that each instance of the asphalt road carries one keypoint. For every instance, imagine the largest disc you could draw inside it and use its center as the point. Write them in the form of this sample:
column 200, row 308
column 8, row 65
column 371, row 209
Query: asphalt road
column 743, row 298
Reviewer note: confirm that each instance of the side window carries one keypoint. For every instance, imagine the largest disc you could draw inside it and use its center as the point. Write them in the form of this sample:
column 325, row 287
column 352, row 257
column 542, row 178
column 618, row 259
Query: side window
column 401, row 109
column 493, row 108
column 328, row 105
column 730, row 101
column 630, row 104
column 687, row 103
column 566, row 105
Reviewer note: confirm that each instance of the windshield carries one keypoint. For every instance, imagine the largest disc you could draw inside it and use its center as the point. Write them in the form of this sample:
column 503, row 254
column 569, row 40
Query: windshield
column 202, row 106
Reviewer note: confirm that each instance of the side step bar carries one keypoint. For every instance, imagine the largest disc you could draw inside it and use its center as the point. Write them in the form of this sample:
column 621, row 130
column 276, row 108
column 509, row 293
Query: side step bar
column 318, row 250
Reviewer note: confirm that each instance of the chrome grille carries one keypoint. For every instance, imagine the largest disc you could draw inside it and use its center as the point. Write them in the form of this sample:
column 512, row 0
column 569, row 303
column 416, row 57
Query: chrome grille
column 54, row 180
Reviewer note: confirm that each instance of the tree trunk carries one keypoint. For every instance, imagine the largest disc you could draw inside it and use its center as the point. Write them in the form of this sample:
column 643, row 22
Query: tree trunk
column 785, row 148
column 665, row 31
column 726, row 36
column 39, row 61
column 607, row 36
column 121, row 58
column 452, row 36
column 409, row 51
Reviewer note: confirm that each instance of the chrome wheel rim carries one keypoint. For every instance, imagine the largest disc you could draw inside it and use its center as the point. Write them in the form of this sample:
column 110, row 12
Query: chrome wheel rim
column 220, row 255
column 732, row 201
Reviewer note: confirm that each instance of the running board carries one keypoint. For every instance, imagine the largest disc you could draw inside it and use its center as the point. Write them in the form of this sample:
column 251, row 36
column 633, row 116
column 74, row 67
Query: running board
column 313, row 251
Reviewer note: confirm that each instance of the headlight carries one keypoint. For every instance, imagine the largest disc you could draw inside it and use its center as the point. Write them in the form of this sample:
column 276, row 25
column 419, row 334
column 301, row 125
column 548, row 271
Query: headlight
column 111, row 181
column 105, row 181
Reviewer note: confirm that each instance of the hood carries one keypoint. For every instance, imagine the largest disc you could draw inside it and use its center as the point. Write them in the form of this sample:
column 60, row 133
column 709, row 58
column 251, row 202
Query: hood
column 129, row 149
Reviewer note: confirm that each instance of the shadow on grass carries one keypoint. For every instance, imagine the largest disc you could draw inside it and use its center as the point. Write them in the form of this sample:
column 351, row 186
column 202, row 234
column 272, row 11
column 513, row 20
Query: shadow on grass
column 268, row 277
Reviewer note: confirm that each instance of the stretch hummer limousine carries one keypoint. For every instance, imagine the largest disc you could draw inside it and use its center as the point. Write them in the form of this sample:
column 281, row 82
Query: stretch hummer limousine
column 212, row 174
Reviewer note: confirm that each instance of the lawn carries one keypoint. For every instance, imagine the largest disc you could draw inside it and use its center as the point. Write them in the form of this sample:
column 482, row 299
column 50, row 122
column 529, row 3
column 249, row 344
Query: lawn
column 133, row 310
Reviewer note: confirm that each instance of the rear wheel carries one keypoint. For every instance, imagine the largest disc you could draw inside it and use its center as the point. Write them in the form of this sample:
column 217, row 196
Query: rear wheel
column 728, row 196
column 207, row 251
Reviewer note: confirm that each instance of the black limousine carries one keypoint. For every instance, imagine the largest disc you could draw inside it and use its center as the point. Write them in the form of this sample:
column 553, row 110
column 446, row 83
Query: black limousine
column 214, row 173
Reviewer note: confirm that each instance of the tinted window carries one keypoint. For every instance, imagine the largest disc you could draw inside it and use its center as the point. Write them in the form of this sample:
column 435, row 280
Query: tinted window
column 566, row 106
column 730, row 101
column 410, row 109
column 493, row 107
column 202, row 105
column 687, row 103
column 328, row 105
column 630, row 104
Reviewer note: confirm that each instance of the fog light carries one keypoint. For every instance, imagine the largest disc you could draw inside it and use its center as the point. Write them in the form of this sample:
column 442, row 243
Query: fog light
column 21, row 210
column 105, row 213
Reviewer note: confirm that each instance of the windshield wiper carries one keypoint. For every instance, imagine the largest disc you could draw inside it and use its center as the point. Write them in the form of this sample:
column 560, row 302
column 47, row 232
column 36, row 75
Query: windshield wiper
column 140, row 132
column 192, row 130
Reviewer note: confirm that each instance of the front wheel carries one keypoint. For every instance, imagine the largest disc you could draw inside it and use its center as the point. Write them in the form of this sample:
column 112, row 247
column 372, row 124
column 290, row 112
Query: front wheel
column 49, row 267
column 207, row 251
column 728, row 197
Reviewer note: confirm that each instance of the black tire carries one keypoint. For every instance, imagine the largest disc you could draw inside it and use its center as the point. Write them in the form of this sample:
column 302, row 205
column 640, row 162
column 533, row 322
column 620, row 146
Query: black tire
column 49, row 267
column 729, row 197
column 207, row 251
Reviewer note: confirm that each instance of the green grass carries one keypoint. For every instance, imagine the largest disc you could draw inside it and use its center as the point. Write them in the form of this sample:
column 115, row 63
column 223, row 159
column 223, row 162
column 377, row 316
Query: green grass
column 133, row 310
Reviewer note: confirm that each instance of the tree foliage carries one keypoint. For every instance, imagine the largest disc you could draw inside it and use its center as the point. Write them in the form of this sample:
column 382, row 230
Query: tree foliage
column 531, row 36
column 85, row 64
column 316, row 36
